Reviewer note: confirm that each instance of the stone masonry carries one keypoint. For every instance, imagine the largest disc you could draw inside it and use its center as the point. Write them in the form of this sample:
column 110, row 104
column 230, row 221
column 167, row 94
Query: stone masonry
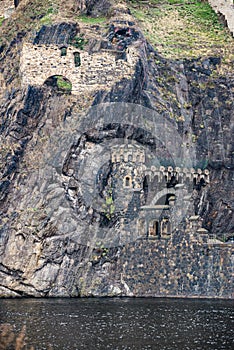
column 96, row 71
column 187, row 264
column 179, row 267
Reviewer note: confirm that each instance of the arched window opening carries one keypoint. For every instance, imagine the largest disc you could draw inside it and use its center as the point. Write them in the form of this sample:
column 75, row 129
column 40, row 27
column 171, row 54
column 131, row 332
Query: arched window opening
column 154, row 228
column 63, row 51
column 145, row 189
column 127, row 181
column 130, row 157
column 16, row 3
column 165, row 227
column 77, row 59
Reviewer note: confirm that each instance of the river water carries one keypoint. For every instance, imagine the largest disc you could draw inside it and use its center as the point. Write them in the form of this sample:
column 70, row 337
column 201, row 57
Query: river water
column 123, row 323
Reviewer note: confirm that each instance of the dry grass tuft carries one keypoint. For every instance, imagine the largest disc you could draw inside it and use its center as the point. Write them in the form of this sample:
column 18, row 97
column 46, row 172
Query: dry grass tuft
column 10, row 340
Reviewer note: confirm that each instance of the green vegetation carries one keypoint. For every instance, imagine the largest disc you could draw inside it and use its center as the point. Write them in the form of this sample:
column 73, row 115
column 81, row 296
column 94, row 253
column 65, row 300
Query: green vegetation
column 31, row 17
column 47, row 19
column 1, row 20
column 59, row 83
column 184, row 29
column 79, row 42
column 63, row 84
column 100, row 251
column 91, row 20
column 109, row 207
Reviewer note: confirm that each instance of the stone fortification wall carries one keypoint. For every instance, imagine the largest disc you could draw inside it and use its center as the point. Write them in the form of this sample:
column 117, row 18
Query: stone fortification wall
column 160, row 268
column 187, row 265
column 99, row 70
column 183, row 175
column 124, row 153
column 226, row 9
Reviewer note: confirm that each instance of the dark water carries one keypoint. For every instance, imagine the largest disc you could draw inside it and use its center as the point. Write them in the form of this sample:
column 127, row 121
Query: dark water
column 123, row 323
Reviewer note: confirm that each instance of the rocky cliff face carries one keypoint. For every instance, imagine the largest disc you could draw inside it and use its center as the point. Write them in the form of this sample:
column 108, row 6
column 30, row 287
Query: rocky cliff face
column 55, row 147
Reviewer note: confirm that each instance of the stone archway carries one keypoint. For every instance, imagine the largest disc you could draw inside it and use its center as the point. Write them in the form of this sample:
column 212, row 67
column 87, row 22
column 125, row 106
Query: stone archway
column 166, row 192
column 59, row 83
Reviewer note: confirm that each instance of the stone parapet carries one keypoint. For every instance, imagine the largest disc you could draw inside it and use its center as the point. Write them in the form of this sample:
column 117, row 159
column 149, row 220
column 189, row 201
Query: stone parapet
column 182, row 175
column 127, row 153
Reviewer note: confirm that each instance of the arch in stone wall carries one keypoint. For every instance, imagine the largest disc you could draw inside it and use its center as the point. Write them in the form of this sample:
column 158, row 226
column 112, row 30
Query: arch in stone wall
column 154, row 228
column 59, row 83
column 165, row 192
column 128, row 181
column 77, row 59
column 165, row 227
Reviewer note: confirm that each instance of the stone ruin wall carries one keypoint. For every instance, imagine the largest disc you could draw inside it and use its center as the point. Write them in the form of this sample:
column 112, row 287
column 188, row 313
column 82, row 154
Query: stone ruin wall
column 97, row 71
column 187, row 264
column 226, row 9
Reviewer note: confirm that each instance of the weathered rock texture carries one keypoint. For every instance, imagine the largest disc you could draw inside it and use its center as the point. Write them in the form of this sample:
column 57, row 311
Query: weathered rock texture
column 51, row 151
column 93, row 7
column 226, row 10
column 6, row 8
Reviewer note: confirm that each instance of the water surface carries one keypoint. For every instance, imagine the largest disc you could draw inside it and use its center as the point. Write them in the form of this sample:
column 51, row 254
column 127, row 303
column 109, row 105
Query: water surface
column 163, row 324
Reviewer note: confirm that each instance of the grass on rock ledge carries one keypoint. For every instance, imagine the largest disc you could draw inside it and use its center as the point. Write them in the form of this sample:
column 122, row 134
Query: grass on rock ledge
column 91, row 20
column 184, row 29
